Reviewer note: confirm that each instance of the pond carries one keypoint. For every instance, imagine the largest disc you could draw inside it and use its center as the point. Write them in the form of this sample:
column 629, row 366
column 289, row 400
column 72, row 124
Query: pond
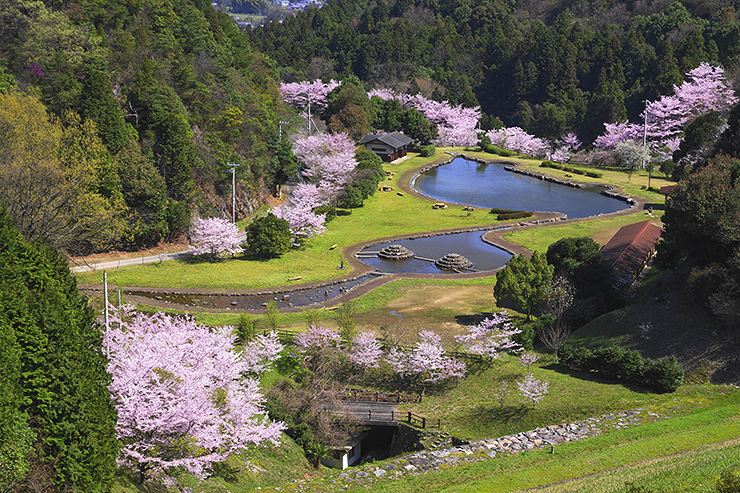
column 490, row 185
column 485, row 257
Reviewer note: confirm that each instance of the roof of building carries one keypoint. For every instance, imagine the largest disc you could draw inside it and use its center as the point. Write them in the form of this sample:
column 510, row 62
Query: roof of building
column 396, row 140
column 629, row 248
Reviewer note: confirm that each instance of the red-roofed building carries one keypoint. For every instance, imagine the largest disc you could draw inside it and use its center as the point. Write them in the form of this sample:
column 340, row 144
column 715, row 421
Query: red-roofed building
column 629, row 250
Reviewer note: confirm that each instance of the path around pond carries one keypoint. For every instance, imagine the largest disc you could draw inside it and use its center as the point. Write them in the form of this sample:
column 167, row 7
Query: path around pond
column 494, row 235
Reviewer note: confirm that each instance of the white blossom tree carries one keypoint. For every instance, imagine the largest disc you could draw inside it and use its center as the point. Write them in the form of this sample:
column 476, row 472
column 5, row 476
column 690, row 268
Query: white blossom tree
column 215, row 237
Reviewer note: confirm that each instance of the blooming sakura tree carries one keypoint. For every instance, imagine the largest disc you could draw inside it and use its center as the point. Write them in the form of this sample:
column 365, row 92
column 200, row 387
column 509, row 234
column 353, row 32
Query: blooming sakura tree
column 261, row 351
column 664, row 120
column 516, row 139
column 456, row 125
column 329, row 161
column 181, row 393
column 215, row 237
column 366, row 350
column 533, row 389
column 491, row 337
column 527, row 359
column 298, row 94
column 316, row 337
column 426, row 361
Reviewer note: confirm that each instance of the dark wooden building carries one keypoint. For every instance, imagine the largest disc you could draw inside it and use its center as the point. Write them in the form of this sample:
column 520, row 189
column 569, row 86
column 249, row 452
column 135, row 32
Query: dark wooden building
column 389, row 147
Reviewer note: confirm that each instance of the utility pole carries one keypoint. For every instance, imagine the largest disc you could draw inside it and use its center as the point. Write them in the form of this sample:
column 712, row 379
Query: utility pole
column 644, row 142
column 233, row 190
column 280, row 126
column 105, row 290
column 309, row 111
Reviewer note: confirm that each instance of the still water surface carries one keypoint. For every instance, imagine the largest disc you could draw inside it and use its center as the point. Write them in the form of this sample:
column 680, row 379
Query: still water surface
column 490, row 185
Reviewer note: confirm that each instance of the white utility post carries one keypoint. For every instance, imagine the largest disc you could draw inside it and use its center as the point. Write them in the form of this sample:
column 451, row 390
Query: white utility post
column 280, row 126
column 105, row 290
column 644, row 142
column 233, row 190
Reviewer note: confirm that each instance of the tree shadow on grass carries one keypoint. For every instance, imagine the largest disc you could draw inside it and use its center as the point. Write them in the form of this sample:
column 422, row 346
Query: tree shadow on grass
column 496, row 413
column 596, row 378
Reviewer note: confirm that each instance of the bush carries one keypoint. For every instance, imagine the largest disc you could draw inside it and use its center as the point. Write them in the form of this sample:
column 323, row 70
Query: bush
column 527, row 335
column 548, row 164
column 427, row 150
column 496, row 210
column 329, row 210
column 269, row 236
column 663, row 375
column 729, row 482
column 505, row 153
column 514, row 215
column 594, row 174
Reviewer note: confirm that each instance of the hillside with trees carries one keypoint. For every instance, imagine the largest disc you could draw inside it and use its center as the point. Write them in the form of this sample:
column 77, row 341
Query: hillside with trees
column 133, row 109
column 550, row 68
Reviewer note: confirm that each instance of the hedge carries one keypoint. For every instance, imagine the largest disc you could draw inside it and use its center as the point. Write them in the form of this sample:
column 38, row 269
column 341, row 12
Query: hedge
column 662, row 375
column 568, row 169
column 514, row 215
column 427, row 150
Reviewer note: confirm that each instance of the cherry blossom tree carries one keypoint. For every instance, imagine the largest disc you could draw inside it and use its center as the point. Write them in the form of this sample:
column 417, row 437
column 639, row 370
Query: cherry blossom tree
column 426, row 361
column 527, row 359
column 215, row 237
column 664, row 120
column 491, row 337
column 516, row 139
column 181, row 392
column 316, row 336
column 366, row 350
column 298, row 94
column 533, row 389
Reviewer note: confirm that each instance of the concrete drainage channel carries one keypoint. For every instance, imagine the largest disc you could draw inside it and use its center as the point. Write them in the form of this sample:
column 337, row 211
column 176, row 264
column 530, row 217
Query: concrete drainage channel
column 437, row 457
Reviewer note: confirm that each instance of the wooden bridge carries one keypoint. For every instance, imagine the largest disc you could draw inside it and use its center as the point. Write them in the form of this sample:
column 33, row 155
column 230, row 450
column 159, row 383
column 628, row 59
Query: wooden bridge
column 380, row 414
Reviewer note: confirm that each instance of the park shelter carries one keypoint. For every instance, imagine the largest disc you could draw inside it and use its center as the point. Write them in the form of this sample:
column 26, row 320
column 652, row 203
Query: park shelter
column 389, row 147
column 629, row 250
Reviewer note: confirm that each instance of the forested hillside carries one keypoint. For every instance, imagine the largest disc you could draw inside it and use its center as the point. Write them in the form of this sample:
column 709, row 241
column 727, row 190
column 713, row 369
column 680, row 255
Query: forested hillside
column 119, row 119
column 548, row 67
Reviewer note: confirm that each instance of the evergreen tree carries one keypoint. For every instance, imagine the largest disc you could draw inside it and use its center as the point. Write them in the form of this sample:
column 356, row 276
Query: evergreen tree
column 524, row 281
column 53, row 362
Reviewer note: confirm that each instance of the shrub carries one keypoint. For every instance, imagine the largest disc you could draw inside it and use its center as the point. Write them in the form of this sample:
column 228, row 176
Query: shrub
column 594, row 174
column 329, row 210
column 729, row 482
column 496, row 210
column 505, row 153
column 662, row 375
column 547, row 164
column 269, row 236
column 526, row 337
column 514, row 215
column 427, row 150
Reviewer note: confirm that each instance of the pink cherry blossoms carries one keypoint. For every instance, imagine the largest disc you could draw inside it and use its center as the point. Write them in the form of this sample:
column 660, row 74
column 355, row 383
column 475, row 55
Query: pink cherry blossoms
column 181, row 394
column 366, row 350
column 533, row 389
column 457, row 126
column 297, row 94
column 328, row 162
column 215, row 237
column 705, row 89
column 516, row 139
column 491, row 337
column 426, row 360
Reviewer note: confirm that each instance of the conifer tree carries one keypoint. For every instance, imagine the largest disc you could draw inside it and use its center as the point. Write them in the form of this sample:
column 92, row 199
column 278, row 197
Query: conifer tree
column 54, row 381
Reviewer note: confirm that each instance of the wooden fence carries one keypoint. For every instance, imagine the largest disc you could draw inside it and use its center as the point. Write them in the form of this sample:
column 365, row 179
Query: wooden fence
column 378, row 416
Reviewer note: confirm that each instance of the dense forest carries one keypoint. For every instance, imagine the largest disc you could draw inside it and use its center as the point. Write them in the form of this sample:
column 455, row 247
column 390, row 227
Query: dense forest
column 548, row 67
column 137, row 107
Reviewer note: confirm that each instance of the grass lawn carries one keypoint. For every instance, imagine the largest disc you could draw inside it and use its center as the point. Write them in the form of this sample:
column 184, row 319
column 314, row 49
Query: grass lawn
column 385, row 214
column 676, row 454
